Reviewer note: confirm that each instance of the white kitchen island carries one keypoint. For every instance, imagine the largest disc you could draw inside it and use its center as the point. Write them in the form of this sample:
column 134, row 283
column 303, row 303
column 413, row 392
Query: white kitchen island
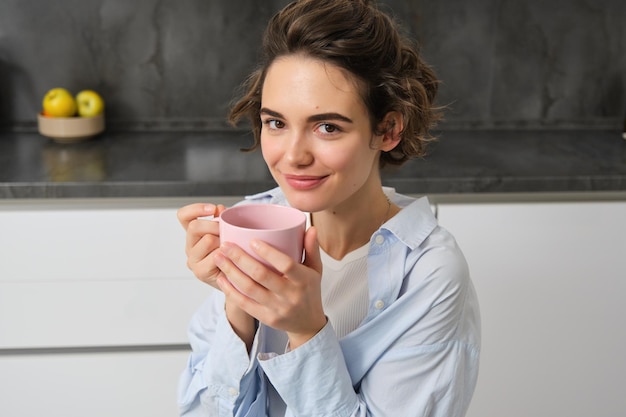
column 95, row 299
column 551, row 279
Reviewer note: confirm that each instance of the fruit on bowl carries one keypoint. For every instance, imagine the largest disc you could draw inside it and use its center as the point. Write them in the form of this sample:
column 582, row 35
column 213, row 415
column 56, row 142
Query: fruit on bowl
column 66, row 118
column 89, row 103
column 59, row 102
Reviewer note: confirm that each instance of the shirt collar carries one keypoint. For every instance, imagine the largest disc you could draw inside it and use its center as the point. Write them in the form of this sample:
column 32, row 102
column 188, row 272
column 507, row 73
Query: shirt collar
column 418, row 214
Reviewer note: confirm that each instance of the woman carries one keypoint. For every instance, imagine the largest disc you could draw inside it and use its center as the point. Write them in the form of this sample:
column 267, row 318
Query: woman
column 381, row 318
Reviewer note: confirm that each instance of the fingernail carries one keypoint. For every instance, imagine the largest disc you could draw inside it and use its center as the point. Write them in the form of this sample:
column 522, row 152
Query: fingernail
column 226, row 247
column 254, row 244
column 218, row 259
column 209, row 209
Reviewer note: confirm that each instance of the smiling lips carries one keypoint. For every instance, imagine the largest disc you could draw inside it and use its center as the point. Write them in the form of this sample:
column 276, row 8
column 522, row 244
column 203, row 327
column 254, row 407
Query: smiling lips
column 304, row 182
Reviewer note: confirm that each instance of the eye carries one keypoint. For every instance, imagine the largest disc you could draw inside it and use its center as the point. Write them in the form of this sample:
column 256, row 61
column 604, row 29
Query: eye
column 328, row 128
column 274, row 124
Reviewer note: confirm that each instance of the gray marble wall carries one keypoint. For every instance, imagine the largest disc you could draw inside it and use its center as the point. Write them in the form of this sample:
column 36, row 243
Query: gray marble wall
column 174, row 64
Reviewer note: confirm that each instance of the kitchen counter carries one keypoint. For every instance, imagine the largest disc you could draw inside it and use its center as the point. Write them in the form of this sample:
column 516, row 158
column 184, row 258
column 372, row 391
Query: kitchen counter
column 184, row 164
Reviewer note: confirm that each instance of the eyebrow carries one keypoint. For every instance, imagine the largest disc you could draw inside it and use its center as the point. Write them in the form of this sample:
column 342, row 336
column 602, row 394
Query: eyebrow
column 314, row 118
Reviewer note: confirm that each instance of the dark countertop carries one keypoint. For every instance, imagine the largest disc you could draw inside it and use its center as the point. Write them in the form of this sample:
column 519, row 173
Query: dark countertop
column 183, row 164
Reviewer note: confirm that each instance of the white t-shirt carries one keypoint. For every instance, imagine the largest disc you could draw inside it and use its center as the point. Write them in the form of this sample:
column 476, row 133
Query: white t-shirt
column 344, row 289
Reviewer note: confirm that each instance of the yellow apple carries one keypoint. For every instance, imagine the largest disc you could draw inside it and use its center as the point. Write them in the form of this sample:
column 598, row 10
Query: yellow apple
column 89, row 103
column 59, row 102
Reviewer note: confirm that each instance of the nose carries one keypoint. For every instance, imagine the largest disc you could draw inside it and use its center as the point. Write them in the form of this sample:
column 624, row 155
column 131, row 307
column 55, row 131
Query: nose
column 298, row 152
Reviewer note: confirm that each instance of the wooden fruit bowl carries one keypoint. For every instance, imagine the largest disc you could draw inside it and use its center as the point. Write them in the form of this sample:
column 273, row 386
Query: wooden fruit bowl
column 70, row 129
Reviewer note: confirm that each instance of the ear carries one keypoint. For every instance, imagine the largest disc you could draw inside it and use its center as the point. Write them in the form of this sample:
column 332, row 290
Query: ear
column 392, row 125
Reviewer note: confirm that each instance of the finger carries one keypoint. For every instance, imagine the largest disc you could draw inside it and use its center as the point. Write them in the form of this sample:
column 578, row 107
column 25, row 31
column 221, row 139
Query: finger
column 228, row 289
column 191, row 212
column 244, row 272
column 312, row 257
column 200, row 259
column 233, row 295
column 219, row 210
column 280, row 261
column 199, row 249
column 206, row 271
column 197, row 230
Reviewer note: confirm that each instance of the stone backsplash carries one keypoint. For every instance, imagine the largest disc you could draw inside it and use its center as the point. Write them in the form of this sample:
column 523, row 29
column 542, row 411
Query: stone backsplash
column 175, row 64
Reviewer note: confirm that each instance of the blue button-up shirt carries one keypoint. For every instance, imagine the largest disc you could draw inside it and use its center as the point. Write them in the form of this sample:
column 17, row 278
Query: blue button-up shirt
column 415, row 354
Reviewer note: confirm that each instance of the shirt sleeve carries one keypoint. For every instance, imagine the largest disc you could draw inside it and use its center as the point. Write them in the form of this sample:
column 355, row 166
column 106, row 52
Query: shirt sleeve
column 409, row 377
column 219, row 379
column 313, row 379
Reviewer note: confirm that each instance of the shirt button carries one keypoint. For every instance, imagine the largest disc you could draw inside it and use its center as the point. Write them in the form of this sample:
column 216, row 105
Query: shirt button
column 233, row 392
column 379, row 304
column 380, row 239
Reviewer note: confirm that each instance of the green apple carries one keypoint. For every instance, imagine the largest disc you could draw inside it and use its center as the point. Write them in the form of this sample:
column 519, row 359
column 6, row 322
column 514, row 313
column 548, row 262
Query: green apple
column 90, row 103
column 59, row 102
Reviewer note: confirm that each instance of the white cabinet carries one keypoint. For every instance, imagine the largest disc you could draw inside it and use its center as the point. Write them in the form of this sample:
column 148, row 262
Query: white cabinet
column 95, row 299
column 551, row 280
column 94, row 384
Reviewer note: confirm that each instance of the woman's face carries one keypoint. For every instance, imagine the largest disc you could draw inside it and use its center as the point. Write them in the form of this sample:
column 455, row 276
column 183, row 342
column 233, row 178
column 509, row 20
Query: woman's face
column 316, row 136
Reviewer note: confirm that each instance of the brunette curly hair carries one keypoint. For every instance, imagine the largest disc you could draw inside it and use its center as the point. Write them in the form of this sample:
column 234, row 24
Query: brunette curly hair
column 357, row 36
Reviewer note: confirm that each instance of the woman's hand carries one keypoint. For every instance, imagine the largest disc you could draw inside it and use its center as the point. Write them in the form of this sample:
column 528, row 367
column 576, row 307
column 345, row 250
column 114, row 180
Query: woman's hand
column 287, row 299
column 202, row 240
column 200, row 246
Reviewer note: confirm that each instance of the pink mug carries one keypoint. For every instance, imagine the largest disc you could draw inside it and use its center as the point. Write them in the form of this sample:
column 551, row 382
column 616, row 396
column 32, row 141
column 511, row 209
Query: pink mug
column 280, row 226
